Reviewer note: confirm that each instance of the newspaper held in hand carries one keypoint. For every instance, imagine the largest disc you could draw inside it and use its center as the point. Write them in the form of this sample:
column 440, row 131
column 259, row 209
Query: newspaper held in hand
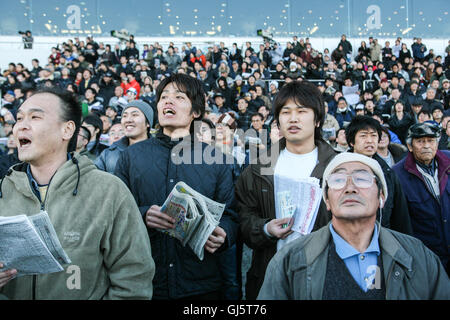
column 196, row 216
column 299, row 199
column 30, row 245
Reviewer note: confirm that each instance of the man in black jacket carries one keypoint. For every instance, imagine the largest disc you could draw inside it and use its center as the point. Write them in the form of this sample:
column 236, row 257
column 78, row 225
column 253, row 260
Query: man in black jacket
column 151, row 168
column 363, row 135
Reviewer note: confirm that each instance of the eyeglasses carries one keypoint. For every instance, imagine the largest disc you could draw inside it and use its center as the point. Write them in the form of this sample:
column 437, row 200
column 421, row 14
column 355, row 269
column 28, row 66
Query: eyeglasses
column 84, row 137
column 361, row 179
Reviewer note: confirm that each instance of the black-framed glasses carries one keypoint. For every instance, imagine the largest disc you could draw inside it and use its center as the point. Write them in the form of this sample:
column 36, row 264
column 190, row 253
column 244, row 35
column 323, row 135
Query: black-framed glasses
column 361, row 179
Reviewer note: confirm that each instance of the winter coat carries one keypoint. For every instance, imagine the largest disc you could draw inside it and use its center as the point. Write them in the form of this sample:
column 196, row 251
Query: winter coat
column 107, row 160
column 411, row 271
column 430, row 218
column 92, row 213
column 255, row 196
column 345, row 116
column 400, row 127
column 150, row 169
column 395, row 213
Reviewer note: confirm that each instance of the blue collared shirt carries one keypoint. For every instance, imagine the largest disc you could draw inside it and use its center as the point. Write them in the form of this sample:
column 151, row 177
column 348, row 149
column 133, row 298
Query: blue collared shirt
column 362, row 266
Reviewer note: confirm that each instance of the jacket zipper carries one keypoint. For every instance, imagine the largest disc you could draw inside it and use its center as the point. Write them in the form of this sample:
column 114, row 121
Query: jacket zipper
column 34, row 283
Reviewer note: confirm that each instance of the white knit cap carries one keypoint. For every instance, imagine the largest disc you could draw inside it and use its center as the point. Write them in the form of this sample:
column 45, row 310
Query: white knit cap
column 354, row 157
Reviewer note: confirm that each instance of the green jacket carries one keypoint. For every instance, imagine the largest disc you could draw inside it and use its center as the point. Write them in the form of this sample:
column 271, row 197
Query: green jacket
column 411, row 271
column 100, row 228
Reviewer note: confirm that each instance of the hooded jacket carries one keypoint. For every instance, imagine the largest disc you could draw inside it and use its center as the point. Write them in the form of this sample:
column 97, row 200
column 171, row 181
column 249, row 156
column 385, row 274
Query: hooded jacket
column 94, row 225
column 411, row 271
column 256, row 200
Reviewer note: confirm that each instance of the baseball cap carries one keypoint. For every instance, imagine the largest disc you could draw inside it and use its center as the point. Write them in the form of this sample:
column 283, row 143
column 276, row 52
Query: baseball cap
column 425, row 129
column 132, row 90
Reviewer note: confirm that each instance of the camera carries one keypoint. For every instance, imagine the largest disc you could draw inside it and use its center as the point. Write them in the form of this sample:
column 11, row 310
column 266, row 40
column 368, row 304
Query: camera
column 266, row 35
column 122, row 35
column 22, row 32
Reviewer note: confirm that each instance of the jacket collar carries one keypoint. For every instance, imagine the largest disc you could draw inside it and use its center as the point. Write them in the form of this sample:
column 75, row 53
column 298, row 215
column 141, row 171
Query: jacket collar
column 269, row 160
column 443, row 167
column 390, row 245
column 318, row 242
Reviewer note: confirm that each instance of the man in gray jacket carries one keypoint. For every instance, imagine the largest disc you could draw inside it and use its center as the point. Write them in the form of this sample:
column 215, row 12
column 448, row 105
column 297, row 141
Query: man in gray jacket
column 353, row 257
column 137, row 120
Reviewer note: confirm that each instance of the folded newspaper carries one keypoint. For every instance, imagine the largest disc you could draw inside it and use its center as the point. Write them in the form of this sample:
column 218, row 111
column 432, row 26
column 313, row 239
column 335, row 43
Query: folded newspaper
column 30, row 245
column 299, row 199
column 196, row 216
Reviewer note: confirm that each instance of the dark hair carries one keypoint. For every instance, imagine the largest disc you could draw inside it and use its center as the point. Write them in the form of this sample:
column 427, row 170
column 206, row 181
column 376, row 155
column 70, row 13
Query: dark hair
column 425, row 111
column 361, row 123
column 304, row 94
column 257, row 114
column 209, row 123
column 70, row 110
column 94, row 120
column 192, row 87
column 265, row 107
column 86, row 132
column 339, row 130
column 386, row 130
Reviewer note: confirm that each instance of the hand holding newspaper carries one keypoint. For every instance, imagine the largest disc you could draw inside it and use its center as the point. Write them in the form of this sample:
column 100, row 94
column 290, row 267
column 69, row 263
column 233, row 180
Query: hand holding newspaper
column 299, row 199
column 196, row 216
column 30, row 245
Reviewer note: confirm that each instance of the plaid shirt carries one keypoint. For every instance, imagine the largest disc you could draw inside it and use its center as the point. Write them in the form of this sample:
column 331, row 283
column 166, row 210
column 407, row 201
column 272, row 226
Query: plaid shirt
column 245, row 120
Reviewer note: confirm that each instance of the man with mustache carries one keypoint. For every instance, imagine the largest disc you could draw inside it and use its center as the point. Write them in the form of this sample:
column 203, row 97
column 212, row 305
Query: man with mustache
column 363, row 135
column 301, row 153
column 354, row 257
column 424, row 175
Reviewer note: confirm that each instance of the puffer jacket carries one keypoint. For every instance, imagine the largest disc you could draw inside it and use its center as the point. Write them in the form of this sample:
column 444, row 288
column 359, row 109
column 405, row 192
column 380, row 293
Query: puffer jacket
column 93, row 224
column 107, row 160
column 150, row 169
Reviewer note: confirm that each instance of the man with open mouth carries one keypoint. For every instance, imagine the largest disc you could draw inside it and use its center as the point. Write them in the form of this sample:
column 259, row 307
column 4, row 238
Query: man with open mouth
column 92, row 222
column 151, row 169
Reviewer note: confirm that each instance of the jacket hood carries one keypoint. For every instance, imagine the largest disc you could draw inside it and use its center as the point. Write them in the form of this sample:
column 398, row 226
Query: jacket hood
column 67, row 177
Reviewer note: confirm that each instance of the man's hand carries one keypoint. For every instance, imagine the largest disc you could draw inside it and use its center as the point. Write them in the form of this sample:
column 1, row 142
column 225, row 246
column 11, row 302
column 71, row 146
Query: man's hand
column 215, row 240
column 274, row 227
column 154, row 218
column 6, row 276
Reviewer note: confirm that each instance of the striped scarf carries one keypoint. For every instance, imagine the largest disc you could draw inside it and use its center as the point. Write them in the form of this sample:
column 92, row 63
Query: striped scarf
column 431, row 181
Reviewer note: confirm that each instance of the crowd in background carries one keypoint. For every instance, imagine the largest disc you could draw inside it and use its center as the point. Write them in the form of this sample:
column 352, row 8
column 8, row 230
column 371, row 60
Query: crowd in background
column 396, row 85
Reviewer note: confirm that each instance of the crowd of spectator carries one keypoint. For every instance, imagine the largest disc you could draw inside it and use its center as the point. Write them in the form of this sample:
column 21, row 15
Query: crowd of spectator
column 397, row 86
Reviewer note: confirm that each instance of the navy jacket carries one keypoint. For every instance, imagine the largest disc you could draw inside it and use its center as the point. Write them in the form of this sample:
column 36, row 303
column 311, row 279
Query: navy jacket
column 151, row 169
column 430, row 218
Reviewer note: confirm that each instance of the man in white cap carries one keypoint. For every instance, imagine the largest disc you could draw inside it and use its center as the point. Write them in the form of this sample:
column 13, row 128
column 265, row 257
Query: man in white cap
column 353, row 257
column 131, row 94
